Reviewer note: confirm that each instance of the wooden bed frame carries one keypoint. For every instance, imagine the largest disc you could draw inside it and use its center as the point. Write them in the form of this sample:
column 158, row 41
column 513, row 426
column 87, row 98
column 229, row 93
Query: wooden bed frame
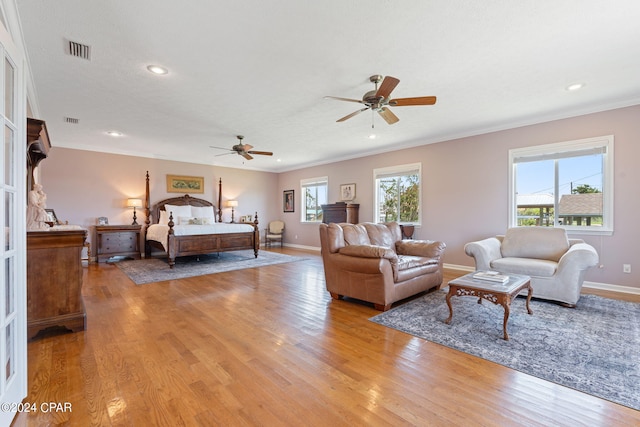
column 198, row 244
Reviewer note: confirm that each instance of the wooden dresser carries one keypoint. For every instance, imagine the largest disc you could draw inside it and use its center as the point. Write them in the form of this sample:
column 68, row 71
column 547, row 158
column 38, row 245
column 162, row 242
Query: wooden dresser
column 117, row 240
column 54, row 280
column 340, row 212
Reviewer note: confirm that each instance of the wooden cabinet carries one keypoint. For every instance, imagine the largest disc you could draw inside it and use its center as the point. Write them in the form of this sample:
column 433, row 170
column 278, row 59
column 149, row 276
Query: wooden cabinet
column 54, row 280
column 340, row 212
column 117, row 240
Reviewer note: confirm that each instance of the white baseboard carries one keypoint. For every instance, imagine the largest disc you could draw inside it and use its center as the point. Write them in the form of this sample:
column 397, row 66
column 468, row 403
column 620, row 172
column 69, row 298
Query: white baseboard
column 591, row 285
column 309, row 248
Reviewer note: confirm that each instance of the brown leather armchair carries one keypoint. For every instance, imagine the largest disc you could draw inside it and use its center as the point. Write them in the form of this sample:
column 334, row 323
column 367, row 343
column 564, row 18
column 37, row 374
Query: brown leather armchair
column 372, row 263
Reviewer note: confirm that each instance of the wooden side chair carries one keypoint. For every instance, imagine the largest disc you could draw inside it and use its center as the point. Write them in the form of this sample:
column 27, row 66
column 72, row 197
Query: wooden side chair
column 274, row 232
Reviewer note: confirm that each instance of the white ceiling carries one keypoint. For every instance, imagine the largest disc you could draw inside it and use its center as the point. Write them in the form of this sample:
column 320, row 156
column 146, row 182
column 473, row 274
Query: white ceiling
column 261, row 69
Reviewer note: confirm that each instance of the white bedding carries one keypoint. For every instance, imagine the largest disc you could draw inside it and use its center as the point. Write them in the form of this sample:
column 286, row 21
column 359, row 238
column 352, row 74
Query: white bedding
column 159, row 233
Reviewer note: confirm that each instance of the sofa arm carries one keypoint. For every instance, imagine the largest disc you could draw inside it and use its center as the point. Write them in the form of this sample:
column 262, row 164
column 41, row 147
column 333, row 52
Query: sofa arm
column 423, row 248
column 368, row 251
column 580, row 256
column 484, row 251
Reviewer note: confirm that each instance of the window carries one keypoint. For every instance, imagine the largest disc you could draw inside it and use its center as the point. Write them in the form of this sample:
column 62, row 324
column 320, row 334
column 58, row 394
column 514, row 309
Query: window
column 567, row 184
column 314, row 195
column 398, row 191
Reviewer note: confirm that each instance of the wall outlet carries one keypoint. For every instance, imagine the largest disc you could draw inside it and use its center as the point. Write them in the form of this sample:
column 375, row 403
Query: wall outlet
column 626, row 268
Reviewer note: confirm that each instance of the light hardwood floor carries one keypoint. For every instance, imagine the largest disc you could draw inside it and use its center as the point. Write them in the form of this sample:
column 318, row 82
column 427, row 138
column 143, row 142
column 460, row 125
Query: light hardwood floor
column 269, row 347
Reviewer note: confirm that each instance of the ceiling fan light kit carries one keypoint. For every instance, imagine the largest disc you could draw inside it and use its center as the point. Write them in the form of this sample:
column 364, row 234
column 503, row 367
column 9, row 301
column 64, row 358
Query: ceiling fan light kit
column 378, row 99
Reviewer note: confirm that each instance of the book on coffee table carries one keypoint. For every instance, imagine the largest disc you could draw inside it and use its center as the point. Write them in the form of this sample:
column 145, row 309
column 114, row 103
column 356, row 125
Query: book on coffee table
column 492, row 276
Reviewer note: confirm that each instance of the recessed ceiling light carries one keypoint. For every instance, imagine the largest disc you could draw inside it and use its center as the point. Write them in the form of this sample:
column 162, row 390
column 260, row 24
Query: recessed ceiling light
column 575, row 86
column 156, row 69
column 372, row 136
column 114, row 133
column 278, row 160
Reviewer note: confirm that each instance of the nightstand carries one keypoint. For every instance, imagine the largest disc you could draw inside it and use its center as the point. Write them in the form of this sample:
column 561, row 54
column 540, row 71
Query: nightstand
column 117, row 241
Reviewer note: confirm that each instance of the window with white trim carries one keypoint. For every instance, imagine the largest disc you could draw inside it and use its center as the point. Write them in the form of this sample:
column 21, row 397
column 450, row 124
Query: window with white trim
column 566, row 184
column 398, row 191
column 314, row 195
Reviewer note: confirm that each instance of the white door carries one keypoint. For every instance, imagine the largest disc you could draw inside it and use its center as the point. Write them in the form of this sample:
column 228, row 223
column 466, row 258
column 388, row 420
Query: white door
column 13, row 290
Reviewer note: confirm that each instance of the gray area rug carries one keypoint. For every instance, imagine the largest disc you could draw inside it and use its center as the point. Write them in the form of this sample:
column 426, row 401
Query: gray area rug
column 594, row 348
column 157, row 269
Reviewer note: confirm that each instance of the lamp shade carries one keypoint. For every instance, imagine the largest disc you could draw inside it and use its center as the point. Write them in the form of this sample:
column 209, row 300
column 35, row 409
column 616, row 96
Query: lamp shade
column 134, row 203
column 232, row 203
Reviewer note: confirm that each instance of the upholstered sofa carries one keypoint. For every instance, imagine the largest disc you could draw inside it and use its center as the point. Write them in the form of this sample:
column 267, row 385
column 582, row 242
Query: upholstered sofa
column 555, row 263
column 371, row 262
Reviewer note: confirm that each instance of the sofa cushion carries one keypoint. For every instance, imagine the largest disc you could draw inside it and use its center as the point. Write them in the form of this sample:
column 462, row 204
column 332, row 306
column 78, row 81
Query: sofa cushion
column 368, row 251
column 409, row 266
column 355, row 234
column 380, row 235
column 527, row 266
column 335, row 238
column 535, row 242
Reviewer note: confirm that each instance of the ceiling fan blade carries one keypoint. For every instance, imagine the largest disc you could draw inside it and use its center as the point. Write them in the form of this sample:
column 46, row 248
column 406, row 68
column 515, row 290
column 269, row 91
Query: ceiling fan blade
column 344, row 99
column 246, row 155
column 224, row 154
column 388, row 115
column 262, row 153
column 388, row 84
column 220, row 148
column 245, row 147
column 420, row 100
column 355, row 113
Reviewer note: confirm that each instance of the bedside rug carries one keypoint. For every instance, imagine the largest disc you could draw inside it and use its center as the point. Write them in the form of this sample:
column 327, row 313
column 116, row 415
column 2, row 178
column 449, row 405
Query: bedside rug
column 157, row 269
column 593, row 348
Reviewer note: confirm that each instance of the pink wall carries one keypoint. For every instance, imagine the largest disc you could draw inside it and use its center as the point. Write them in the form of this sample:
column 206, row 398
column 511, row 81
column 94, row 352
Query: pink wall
column 465, row 188
column 84, row 185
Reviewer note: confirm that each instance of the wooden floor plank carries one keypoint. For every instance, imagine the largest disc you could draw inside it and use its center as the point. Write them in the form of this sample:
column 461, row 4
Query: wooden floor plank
column 268, row 346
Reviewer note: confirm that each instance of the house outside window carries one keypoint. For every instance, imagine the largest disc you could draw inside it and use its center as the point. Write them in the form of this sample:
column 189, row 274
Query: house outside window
column 314, row 195
column 567, row 184
column 398, row 191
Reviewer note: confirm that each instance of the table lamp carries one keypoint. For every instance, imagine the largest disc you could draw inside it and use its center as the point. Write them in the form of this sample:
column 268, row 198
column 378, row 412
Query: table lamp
column 232, row 204
column 134, row 203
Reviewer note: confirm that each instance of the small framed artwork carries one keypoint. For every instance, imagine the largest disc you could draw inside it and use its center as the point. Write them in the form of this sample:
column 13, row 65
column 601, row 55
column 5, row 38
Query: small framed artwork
column 185, row 184
column 288, row 201
column 51, row 217
column 246, row 218
column 347, row 192
column 103, row 220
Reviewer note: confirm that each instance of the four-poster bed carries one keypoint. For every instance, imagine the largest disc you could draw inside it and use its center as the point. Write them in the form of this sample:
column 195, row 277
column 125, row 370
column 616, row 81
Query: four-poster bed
column 189, row 226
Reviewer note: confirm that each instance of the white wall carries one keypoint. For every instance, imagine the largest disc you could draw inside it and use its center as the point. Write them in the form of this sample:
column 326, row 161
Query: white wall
column 84, row 185
column 465, row 188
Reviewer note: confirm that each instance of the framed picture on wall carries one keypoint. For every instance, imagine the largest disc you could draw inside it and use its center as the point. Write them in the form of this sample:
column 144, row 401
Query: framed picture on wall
column 288, row 201
column 185, row 184
column 347, row 192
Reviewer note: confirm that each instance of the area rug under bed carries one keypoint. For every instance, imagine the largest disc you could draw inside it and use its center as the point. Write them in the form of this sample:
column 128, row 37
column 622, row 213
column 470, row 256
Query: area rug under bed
column 157, row 270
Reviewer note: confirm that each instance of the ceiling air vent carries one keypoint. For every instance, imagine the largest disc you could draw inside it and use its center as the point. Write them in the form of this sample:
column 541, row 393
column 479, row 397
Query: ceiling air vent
column 80, row 50
column 71, row 120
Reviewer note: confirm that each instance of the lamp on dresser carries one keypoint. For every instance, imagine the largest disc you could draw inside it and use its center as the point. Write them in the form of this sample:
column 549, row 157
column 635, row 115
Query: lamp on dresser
column 232, row 204
column 134, row 203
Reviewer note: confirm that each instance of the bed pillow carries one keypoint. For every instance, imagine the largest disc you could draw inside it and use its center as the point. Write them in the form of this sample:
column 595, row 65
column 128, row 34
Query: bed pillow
column 204, row 212
column 164, row 218
column 179, row 211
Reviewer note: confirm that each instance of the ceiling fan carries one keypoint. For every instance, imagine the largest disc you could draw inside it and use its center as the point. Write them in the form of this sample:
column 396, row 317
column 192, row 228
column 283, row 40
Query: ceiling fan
column 378, row 99
column 244, row 150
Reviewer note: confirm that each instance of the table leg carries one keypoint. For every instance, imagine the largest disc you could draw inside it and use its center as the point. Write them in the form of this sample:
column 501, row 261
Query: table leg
column 507, row 311
column 449, row 294
column 529, row 299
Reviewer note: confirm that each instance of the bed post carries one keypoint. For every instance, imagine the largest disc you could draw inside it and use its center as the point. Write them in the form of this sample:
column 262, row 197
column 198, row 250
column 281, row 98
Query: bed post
column 147, row 211
column 220, row 200
column 256, row 235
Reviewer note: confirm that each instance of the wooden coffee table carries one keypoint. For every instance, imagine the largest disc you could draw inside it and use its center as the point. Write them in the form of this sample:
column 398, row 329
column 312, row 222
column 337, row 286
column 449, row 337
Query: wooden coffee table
column 495, row 292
